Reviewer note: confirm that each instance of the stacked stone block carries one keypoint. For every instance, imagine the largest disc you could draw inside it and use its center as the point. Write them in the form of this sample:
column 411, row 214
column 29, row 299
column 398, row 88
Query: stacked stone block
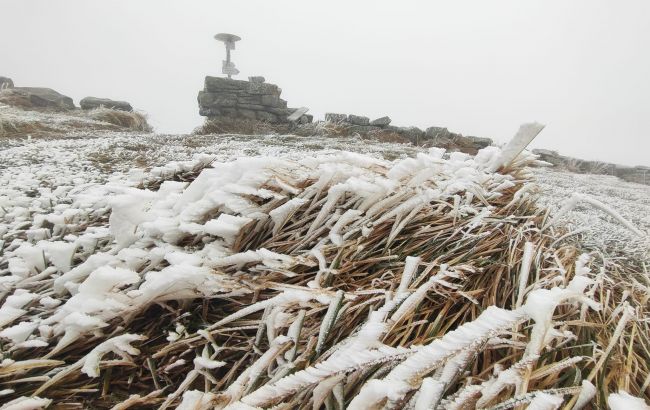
column 254, row 100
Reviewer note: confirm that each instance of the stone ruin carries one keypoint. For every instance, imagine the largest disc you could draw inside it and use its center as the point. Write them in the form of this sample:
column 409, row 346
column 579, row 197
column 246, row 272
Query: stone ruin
column 254, row 99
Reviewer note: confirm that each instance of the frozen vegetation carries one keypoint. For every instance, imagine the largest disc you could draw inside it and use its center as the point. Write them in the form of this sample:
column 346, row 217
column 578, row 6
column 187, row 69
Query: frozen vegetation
column 199, row 272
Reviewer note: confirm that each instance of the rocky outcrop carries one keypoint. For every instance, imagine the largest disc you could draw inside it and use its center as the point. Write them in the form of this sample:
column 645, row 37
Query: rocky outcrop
column 36, row 97
column 6, row 82
column 358, row 120
column 251, row 100
column 90, row 103
column 381, row 122
column 638, row 174
column 432, row 136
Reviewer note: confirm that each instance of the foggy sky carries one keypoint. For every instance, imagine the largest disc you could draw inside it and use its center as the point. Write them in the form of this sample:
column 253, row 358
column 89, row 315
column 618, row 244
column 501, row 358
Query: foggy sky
column 477, row 67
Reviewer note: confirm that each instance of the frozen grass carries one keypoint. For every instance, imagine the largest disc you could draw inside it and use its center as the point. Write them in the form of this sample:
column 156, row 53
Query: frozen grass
column 286, row 281
column 16, row 122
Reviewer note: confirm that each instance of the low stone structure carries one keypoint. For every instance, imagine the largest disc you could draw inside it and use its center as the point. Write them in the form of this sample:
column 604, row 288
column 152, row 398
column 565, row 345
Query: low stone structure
column 638, row 174
column 36, row 97
column 90, row 103
column 253, row 100
column 437, row 136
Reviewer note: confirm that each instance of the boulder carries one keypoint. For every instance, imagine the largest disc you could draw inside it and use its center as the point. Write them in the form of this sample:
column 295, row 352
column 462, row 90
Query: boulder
column 6, row 82
column 306, row 119
column 437, row 133
column 332, row 117
column 358, row 120
column 381, row 122
column 90, row 103
column 479, row 142
column 414, row 134
column 256, row 79
column 36, row 97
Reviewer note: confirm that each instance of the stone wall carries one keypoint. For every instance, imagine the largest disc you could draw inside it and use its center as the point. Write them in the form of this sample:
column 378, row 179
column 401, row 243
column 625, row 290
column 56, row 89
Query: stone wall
column 254, row 100
column 436, row 136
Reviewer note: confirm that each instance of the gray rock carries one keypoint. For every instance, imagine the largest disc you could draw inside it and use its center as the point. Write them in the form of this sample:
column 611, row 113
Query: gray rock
column 358, row 120
column 256, row 79
column 217, row 84
column 381, row 122
column 90, row 103
column 437, row 133
column 6, row 82
column 36, row 97
column 332, row 117
column 479, row 142
column 207, row 99
column 414, row 134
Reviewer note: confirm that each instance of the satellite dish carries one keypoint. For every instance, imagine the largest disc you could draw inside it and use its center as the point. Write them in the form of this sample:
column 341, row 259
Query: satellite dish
column 228, row 67
column 228, row 39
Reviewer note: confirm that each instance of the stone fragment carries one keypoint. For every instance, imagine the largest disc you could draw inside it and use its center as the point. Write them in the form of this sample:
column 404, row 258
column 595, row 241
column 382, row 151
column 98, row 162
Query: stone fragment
column 358, row 120
column 90, row 103
column 256, row 79
column 332, row 117
column 381, row 122
column 295, row 116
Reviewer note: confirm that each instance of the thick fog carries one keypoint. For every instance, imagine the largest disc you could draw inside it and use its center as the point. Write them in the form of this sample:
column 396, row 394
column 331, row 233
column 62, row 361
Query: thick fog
column 479, row 68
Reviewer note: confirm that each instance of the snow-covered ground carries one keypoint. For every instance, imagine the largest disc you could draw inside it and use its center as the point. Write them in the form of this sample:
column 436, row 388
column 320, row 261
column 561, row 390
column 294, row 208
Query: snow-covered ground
column 39, row 174
column 80, row 246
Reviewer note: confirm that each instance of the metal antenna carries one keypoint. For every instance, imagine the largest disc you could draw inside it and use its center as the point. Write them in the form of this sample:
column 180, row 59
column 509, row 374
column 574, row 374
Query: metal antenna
column 228, row 67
